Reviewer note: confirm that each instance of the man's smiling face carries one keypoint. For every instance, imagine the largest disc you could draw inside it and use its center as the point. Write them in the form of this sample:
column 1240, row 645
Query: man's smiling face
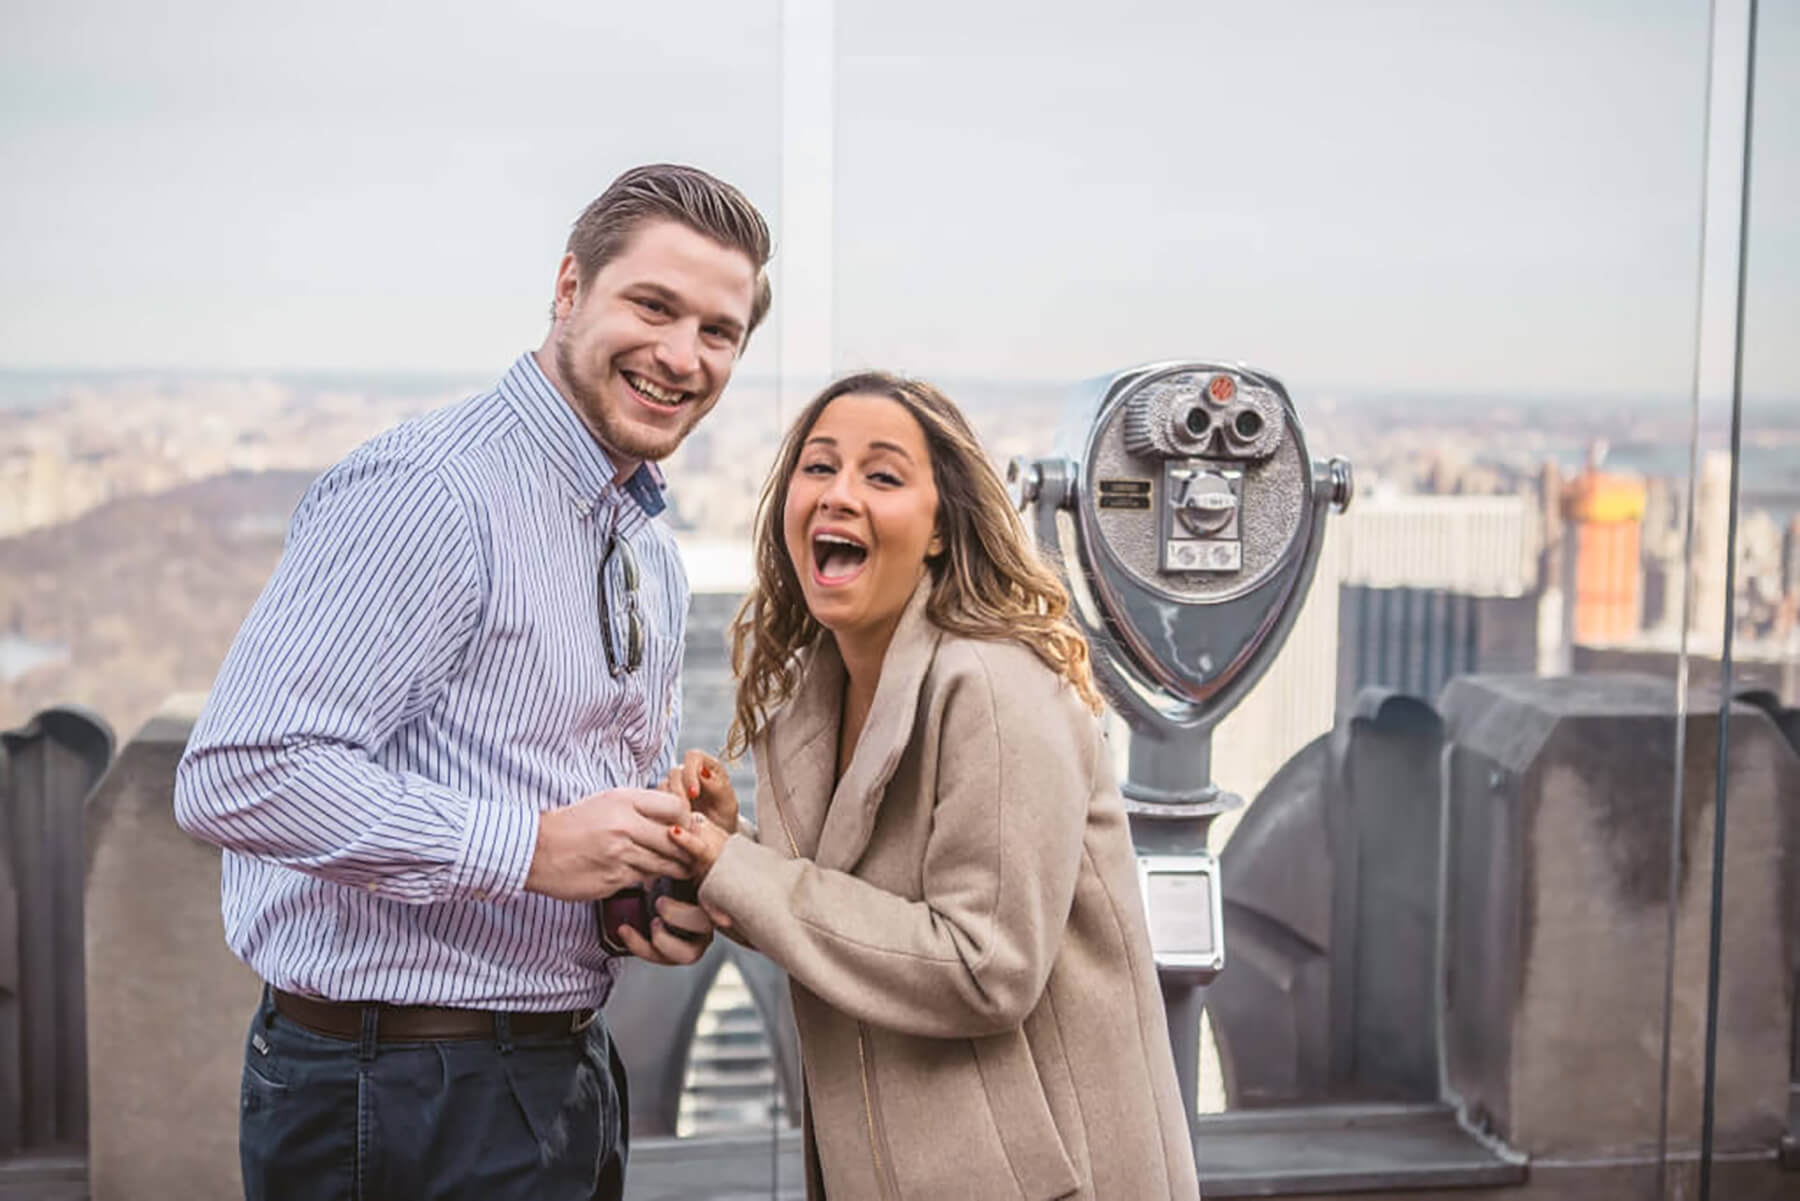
column 644, row 349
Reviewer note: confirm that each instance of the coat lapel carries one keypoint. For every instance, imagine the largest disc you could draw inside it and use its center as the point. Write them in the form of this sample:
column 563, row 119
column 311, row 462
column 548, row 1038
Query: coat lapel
column 850, row 819
column 799, row 752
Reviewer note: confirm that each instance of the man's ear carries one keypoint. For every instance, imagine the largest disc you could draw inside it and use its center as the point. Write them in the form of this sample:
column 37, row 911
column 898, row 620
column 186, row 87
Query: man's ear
column 568, row 288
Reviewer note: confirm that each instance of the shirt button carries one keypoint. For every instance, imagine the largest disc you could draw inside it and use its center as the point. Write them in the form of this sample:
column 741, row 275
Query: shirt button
column 372, row 886
column 480, row 894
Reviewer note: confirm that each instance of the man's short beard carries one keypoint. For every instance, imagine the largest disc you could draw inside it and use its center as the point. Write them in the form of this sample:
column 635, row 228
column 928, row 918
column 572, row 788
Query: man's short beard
column 591, row 407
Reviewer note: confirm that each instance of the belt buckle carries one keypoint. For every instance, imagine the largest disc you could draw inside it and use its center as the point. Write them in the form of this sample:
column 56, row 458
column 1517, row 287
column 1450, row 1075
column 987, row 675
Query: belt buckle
column 581, row 1021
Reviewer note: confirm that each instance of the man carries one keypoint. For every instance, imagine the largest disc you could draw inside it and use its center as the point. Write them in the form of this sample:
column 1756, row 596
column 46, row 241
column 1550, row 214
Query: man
column 426, row 752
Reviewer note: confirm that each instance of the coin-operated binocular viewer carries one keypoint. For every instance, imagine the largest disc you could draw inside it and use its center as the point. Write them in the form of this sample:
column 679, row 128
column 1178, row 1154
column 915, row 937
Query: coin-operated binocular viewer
column 1195, row 518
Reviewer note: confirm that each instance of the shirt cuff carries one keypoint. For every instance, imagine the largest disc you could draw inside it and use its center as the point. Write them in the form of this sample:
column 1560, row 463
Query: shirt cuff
column 498, row 843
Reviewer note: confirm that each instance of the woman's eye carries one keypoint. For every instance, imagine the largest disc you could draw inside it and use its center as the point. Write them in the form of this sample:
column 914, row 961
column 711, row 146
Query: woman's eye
column 816, row 469
column 886, row 477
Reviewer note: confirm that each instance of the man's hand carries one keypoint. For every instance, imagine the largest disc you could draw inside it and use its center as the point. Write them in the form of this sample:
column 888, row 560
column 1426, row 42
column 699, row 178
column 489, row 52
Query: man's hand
column 701, row 780
column 608, row 841
column 664, row 947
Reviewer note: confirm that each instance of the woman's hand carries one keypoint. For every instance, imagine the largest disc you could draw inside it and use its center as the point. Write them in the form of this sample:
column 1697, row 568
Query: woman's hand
column 700, row 780
column 703, row 841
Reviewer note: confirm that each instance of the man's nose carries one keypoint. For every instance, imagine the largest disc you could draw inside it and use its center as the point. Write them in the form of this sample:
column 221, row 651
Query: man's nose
column 678, row 350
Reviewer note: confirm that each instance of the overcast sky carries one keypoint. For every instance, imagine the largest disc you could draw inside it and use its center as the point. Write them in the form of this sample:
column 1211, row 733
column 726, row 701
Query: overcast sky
column 1441, row 195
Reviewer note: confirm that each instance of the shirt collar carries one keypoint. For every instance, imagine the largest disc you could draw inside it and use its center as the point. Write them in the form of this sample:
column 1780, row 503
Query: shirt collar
column 571, row 450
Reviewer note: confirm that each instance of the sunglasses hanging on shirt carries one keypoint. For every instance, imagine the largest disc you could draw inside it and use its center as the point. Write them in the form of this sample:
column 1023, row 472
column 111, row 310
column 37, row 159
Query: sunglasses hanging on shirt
column 621, row 622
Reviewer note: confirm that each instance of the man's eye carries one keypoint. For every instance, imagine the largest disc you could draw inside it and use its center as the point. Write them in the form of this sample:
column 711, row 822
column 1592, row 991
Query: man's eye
column 652, row 306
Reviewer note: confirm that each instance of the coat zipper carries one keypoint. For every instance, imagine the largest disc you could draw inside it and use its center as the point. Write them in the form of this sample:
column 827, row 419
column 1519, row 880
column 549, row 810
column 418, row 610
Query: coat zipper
column 862, row 1053
column 862, row 1062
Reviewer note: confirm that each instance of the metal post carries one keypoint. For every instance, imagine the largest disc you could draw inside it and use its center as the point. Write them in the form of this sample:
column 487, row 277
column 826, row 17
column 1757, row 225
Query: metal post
column 1176, row 772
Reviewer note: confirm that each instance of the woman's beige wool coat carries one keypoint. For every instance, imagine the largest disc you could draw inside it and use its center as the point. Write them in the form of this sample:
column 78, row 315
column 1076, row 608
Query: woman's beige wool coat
column 960, row 920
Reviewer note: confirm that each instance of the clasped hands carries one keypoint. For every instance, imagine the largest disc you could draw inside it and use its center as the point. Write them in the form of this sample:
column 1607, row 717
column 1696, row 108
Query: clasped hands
column 623, row 837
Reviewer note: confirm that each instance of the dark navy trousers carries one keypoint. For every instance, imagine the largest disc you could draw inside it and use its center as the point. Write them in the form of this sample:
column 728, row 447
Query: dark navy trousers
column 330, row 1119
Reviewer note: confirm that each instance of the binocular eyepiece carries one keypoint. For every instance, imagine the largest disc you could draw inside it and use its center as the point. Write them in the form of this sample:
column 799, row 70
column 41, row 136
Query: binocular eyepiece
column 1195, row 414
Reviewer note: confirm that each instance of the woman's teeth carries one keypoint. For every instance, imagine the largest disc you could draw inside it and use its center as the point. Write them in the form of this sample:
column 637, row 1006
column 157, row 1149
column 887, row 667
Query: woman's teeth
column 837, row 558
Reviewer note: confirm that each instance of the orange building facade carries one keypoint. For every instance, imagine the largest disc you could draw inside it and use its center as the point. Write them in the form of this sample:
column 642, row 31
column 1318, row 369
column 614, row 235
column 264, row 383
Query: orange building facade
column 1604, row 517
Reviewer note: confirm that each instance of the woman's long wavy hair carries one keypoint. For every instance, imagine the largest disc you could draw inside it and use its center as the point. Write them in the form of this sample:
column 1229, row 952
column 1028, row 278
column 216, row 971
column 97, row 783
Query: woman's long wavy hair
column 988, row 581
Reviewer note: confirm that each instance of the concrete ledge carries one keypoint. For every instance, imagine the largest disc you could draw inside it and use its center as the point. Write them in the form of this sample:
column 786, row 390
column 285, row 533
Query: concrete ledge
column 751, row 1168
column 166, row 997
column 45, row 1176
column 1334, row 1149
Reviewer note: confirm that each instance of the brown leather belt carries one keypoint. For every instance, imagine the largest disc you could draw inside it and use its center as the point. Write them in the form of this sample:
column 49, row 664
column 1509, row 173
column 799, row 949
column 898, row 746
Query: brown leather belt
column 420, row 1023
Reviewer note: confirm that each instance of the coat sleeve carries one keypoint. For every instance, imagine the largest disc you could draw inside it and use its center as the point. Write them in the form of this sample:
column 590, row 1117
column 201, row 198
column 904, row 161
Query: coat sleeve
column 1016, row 770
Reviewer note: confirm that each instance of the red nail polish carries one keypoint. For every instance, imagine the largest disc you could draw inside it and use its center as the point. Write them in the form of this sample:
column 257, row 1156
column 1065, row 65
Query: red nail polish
column 693, row 793
column 675, row 831
column 706, row 773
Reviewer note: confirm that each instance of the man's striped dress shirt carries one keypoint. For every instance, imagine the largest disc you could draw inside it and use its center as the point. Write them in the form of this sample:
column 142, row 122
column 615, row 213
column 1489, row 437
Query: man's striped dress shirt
column 423, row 675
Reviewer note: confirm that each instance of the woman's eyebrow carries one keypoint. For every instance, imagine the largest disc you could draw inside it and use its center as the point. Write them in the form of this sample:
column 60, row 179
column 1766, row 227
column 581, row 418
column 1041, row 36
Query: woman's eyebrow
column 894, row 447
column 878, row 444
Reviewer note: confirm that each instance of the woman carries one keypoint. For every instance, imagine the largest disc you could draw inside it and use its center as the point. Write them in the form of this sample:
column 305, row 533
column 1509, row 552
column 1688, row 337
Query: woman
column 942, row 866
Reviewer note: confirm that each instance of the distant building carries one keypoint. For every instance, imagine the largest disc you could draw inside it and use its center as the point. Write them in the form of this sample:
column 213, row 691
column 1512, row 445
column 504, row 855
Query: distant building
column 1479, row 545
column 1550, row 490
column 1602, row 543
column 1415, row 640
column 719, row 575
column 708, row 689
column 1788, row 620
column 1790, row 558
column 1707, row 560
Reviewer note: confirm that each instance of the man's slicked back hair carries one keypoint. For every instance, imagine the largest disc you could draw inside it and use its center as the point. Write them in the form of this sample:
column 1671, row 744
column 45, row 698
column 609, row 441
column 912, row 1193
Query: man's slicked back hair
column 667, row 191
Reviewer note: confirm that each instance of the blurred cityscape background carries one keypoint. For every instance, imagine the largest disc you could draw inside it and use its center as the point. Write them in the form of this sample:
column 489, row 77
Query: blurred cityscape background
column 1490, row 248
column 143, row 512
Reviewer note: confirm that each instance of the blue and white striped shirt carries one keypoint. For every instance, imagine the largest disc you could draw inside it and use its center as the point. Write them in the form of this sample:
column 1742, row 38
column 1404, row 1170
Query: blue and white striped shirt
column 423, row 675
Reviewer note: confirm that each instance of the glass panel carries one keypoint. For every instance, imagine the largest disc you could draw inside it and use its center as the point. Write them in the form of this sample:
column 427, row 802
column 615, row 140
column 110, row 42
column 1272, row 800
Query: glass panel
column 238, row 243
column 1465, row 240
column 1752, row 1065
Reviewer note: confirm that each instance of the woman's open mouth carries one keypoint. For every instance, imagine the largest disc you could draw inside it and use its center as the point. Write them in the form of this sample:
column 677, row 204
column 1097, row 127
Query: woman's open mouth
column 837, row 558
column 654, row 395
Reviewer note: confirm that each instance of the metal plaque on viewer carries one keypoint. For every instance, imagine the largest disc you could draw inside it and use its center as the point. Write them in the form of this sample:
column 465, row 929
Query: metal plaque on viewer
column 1181, row 902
